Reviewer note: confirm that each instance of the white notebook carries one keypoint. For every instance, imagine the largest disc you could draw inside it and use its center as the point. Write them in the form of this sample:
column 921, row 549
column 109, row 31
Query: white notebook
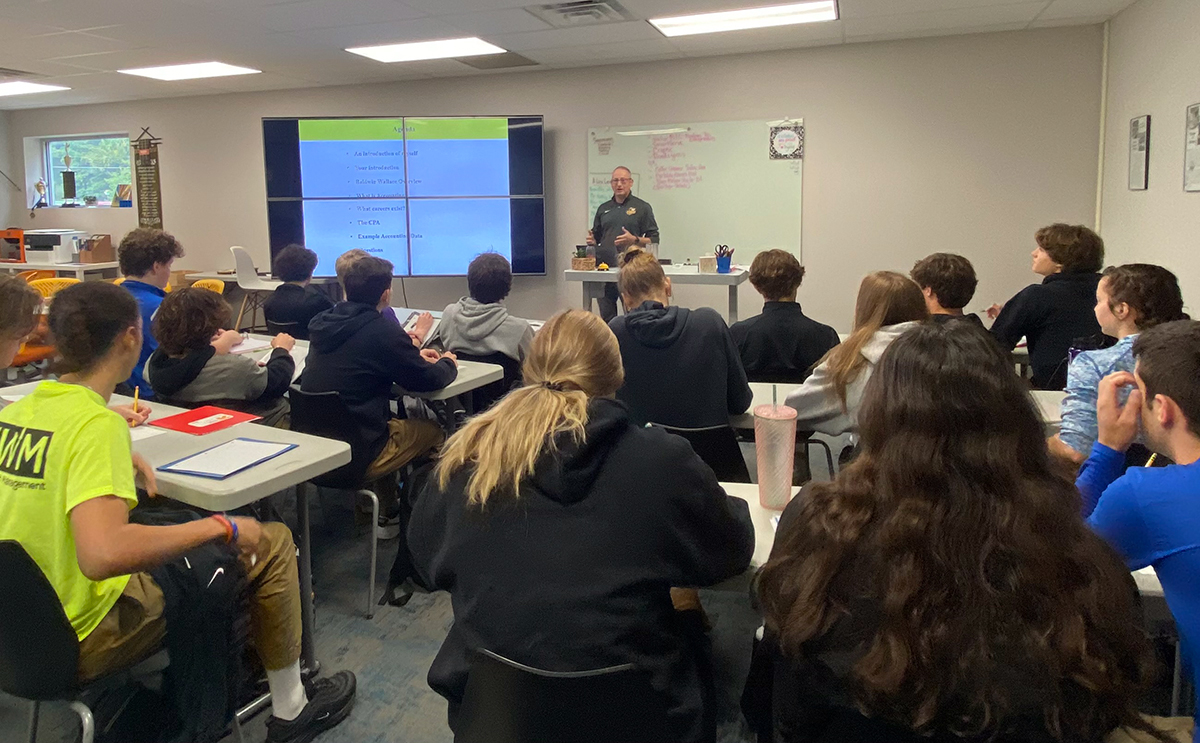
column 227, row 459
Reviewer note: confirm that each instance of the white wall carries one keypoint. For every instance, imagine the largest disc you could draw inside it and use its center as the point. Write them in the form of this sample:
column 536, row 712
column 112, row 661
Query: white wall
column 966, row 143
column 6, row 165
column 1154, row 55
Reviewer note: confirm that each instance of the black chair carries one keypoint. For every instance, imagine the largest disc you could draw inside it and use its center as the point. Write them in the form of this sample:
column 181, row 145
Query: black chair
column 718, row 447
column 483, row 397
column 291, row 328
column 39, row 651
column 325, row 414
column 506, row 702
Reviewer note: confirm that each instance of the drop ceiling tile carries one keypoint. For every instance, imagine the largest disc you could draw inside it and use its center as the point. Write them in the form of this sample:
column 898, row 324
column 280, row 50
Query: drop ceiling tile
column 491, row 22
column 455, row 7
column 610, row 33
column 391, row 32
column 605, row 54
column 1072, row 21
column 937, row 32
column 948, row 21
column 317, row 14
column 867, row 8
column 16, row 29
column 1083, row 9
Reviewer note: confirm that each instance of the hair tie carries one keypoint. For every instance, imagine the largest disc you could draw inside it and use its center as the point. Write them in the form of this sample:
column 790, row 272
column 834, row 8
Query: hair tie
column 556, row 386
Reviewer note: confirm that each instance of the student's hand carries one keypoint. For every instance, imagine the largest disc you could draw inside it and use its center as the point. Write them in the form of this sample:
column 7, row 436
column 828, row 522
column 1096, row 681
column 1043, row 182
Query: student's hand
column 1118, row 423
column 452, row 357
column 994, row 311
column 591, row 239
column 625, row 239
column 225, row 340
column 132, row 418
column 149, row 482
column 423, row 325
column 250, row 536
column 284, row 341
column 431, row 355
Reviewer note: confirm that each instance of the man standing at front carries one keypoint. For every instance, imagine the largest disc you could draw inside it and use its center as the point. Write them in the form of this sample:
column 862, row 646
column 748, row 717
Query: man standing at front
column 622, row 222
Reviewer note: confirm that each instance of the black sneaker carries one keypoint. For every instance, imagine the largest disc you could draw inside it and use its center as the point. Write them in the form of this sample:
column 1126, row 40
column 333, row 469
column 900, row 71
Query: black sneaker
column 329, row 702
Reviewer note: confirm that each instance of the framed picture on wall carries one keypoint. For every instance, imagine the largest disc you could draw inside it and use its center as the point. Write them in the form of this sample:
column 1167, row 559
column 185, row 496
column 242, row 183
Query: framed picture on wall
column 1191, row 149
column 1139, row 153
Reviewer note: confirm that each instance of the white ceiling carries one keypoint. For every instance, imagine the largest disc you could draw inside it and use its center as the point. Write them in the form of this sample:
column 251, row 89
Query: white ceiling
column 299, row 43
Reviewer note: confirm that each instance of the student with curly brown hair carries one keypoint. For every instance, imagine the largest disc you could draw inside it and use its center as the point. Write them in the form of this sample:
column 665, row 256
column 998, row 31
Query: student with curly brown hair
column 193, row 365
column 782, row 344
column 944, row 587
column 19, row 305
column 948, row 282
column 1056, row 313
column 294, row 303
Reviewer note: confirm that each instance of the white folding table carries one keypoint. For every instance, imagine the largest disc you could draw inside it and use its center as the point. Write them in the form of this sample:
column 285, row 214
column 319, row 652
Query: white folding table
column 77, row 270
column 593, row 282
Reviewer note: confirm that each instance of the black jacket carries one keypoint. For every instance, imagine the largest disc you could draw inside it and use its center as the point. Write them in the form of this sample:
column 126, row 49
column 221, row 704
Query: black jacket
column 291, row 307
column 1052, row 316
column 782, row 344
column 356, row 352
column 969, row 317
column 681, row 367
column 575, row 573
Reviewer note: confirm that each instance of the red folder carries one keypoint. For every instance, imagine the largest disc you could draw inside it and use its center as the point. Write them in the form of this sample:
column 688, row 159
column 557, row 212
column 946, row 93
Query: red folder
column 203, row 420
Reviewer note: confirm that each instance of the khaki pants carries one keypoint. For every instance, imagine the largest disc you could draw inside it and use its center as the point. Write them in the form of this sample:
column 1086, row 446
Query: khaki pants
column 135, row 627
column 1177, row 728
column 407, row 439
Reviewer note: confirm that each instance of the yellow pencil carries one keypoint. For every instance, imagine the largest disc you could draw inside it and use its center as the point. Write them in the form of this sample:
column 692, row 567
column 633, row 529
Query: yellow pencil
column 136, row 394
column 1150, row 461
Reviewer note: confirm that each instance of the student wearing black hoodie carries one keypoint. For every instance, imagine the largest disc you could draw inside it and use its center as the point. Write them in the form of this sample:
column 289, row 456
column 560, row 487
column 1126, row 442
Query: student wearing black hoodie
column 1055, row 314
column 682, row 367
column 569, row 566
column 294, row 303
column 359, row 354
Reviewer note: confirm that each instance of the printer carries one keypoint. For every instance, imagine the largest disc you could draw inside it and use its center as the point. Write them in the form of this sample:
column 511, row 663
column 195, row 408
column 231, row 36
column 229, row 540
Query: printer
column 53, row 246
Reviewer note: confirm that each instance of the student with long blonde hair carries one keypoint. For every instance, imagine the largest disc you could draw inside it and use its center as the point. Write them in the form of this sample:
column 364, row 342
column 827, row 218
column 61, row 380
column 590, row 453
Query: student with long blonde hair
column 888, row 304
column 550, row 522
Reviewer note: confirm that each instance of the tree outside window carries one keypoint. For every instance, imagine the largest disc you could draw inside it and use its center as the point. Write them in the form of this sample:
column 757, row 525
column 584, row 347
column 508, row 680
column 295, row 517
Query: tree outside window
column 100, row 165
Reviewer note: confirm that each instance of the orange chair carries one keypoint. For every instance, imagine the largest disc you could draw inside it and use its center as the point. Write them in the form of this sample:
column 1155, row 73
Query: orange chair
column 35, row 275
column 119, row 281
column 213, row 285
column 49, row 287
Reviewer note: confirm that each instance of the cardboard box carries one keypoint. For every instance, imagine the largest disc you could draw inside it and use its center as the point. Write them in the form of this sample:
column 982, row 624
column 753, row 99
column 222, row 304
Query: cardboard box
column 179, row 279
column 99, row 249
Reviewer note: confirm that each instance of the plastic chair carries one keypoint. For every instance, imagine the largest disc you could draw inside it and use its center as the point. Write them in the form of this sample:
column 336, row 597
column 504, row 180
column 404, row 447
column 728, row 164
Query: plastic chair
column 484, row 397
column 507, row 702
column 213, row 285
column 35, row 275
column 249, row 282
column 49, row 287
column 718, row 447
column 39, row 651
column 325, row 414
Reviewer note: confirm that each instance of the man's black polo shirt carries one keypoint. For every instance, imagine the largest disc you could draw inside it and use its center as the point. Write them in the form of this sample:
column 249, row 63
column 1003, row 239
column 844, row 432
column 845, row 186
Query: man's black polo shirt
column 634, row 215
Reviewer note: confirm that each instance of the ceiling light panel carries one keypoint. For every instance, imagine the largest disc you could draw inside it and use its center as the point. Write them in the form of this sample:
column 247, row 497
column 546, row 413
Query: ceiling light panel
column 420, row 50
column 747, row 18
column 193, row 71
column 19, row 87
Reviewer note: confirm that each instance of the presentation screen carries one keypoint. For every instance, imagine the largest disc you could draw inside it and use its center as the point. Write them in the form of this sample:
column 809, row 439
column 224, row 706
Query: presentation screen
column 427, row 194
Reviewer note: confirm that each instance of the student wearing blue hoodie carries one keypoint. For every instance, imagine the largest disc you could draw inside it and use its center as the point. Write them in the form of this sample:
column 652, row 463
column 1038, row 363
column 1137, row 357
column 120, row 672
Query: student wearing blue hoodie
column 145, row 257
column 682, row 367
column 479, row 324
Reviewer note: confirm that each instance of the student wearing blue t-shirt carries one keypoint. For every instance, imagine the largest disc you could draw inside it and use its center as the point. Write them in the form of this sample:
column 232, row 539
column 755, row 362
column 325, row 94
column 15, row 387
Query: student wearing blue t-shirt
column 146, row 256
column 1152, row 515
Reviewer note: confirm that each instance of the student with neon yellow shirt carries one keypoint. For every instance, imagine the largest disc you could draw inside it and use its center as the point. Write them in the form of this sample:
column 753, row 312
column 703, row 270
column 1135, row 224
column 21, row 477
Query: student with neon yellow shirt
column 66, row 489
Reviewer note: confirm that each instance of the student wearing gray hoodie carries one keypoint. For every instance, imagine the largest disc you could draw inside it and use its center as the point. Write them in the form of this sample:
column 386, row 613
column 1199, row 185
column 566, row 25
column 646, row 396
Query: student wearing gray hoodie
column 479, row 324
column 888, row 304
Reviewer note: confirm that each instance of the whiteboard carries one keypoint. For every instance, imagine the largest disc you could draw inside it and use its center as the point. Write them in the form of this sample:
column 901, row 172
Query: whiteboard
column 711, row 183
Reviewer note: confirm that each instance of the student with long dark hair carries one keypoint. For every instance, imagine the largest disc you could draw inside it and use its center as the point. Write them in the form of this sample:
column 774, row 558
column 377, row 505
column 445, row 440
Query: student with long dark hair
column 559, row 526
column 944, row 586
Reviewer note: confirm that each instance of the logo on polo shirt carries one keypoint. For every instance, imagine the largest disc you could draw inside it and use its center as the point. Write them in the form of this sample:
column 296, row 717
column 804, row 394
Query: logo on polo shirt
column 631, row 211
column 23, row 451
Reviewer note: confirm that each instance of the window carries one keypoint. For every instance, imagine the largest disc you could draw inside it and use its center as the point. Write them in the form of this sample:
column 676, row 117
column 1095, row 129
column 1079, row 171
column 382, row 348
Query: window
column 100, row 164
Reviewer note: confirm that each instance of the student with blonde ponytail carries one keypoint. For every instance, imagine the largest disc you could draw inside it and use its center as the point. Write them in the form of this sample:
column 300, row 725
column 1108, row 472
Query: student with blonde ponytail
column 888, row 304
column 559, row 527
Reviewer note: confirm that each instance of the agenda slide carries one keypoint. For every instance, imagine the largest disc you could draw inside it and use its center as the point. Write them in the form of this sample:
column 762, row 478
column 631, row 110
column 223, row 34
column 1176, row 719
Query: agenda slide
column 427, row 194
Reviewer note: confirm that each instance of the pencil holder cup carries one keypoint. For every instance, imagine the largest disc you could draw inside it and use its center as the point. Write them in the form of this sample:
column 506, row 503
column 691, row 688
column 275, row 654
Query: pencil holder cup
column 724, row 263
column 775, row 447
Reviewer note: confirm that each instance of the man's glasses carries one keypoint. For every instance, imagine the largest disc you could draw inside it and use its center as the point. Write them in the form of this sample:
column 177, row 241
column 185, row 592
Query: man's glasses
column 619, row 181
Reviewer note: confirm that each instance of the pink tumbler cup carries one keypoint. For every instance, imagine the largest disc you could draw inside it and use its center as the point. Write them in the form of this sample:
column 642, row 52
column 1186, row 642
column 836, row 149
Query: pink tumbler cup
column 775, row 446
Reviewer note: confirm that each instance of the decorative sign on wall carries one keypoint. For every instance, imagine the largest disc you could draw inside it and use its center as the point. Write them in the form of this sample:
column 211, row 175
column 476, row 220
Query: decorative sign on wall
column 1191, row 150
column 145, row 174
column 1139, row 153
column 787, row 141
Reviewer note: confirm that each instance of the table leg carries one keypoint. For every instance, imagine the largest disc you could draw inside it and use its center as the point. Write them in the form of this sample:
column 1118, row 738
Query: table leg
column 307, row 618
column 733, row 303
column 587, row 295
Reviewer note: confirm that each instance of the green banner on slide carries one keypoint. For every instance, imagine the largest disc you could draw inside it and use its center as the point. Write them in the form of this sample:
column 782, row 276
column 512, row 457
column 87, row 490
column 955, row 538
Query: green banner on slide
column 351, row 129
column 456, row 128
